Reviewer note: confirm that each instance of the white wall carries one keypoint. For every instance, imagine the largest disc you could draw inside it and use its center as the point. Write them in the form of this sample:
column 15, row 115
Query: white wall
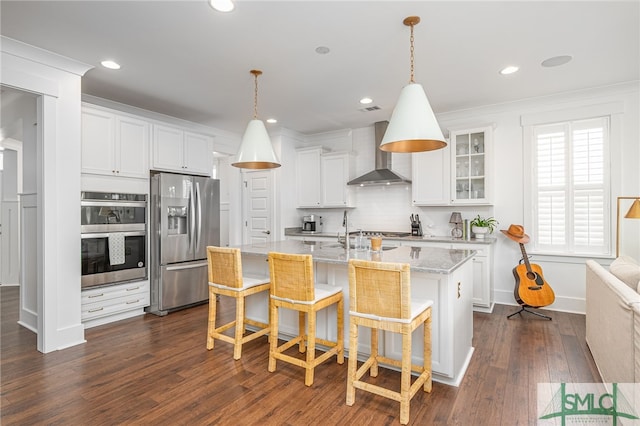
column 388, row 207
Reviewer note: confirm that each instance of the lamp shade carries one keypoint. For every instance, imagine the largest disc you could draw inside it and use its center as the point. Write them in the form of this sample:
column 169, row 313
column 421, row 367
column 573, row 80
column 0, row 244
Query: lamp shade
column 256, row 151
column 413, row 126
column 634, row 211
column 456, row 217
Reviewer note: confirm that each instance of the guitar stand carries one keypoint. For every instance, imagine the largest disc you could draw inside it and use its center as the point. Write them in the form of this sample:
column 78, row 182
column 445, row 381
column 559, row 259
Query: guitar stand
column 524, row 308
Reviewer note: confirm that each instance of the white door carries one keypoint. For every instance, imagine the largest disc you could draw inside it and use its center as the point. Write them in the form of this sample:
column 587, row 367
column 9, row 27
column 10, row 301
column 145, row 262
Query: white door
column 258, row 207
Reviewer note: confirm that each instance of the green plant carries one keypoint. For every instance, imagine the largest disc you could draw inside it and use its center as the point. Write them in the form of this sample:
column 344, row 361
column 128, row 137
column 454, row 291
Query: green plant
column 489, row 222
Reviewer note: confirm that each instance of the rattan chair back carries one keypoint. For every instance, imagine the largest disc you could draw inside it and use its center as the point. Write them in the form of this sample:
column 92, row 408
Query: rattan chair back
column 380, row 289
column 292, row 276
column 225, row 266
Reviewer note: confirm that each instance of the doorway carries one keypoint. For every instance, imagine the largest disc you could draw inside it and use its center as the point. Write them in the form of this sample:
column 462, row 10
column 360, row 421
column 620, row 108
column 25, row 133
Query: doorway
column 18, row 142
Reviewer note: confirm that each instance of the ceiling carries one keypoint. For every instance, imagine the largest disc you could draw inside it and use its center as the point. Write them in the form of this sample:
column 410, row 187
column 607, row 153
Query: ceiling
column 183, row 59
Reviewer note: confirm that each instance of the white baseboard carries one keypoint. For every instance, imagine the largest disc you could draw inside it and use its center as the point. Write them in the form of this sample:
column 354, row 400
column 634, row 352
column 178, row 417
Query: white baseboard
column 572, row 305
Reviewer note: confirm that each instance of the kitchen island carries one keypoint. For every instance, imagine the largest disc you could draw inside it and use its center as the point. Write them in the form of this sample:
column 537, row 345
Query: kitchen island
column 442, row 275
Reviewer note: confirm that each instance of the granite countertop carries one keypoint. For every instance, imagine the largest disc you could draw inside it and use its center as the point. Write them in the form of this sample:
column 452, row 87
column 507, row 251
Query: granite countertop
column 297, row 232
column 421, row 259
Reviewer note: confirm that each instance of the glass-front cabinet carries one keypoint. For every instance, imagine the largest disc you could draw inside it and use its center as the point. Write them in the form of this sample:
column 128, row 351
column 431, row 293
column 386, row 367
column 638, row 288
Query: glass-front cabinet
column 471, row 166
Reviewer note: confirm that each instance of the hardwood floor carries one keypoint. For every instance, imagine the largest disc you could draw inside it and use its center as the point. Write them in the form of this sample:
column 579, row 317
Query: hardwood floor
column 152, row 370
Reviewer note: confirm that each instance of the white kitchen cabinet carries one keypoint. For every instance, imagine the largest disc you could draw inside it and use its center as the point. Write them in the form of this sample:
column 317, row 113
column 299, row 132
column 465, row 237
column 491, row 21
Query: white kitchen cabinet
column 114, row 144
column 308, row 172
column 430, row 178
column 459, row 174
column 471, row 166
column 322, row 178
column 336, row 170
column 178, row 150
column 482, row 268
column 112, row 303
column 482, row 276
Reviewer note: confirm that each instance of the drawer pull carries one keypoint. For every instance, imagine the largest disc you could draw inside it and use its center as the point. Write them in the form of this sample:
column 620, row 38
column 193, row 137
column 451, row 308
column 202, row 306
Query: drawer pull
column 96, row 310
column 134, row 288
column 132, row 302
column 96, row 295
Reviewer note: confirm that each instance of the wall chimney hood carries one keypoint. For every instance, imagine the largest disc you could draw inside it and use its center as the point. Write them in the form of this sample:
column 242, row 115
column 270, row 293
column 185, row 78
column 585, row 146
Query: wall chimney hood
column 382, row 175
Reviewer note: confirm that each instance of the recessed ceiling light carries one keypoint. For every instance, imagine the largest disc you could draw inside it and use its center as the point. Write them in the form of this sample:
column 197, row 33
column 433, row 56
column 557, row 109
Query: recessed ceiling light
column 222, row 5
column 112, row 65
column 556, row 61
column 322, row 50
column 272, row 120
column 366, row 101
column 509, row 70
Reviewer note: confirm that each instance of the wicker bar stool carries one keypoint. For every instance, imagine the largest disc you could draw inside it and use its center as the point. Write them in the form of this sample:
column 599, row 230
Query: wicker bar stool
column 380, row 298
column 226, row 279
column 293, row 287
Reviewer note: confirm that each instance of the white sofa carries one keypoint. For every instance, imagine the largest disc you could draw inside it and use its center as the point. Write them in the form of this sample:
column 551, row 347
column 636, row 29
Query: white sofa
column 613, row 319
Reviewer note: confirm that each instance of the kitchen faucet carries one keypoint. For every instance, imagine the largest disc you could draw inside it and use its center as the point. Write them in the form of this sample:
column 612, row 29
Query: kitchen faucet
column 345, row 223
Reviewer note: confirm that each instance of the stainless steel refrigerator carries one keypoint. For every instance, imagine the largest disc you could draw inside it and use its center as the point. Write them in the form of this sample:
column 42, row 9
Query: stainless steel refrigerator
column 184, row 220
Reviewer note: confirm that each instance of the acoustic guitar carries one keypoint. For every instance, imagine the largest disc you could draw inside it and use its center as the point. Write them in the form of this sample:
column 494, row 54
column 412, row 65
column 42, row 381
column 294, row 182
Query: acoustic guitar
column 531, row 288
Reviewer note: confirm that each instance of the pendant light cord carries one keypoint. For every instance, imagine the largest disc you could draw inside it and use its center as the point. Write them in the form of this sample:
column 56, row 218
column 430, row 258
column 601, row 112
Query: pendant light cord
column 411, row 50
column 255, row 98
column 255, row 74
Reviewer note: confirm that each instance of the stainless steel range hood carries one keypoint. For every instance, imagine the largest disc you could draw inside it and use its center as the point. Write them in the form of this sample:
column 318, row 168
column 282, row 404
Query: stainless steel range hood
column 382, row 175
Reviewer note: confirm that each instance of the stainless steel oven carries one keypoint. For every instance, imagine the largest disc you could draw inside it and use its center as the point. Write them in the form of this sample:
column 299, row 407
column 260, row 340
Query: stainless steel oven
column 114, row 238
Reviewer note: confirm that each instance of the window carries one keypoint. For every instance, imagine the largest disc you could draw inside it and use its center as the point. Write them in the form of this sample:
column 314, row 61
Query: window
column 570, row 187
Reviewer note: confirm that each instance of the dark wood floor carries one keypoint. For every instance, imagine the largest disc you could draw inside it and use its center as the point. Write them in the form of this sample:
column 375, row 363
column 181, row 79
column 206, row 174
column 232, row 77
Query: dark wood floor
column 151, row 370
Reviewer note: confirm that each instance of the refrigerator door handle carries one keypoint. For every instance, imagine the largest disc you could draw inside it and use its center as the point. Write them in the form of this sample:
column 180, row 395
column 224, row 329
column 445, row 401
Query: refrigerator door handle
column 190, row 266
column 192, row 218
column 199, row 229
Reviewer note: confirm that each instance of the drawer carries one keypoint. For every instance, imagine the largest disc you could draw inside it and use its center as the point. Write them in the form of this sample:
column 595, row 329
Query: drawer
column 114, row 305
column 114, row 292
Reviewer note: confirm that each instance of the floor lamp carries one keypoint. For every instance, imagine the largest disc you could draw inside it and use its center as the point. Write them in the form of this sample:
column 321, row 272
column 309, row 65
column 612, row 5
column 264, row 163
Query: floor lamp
column 633, row 213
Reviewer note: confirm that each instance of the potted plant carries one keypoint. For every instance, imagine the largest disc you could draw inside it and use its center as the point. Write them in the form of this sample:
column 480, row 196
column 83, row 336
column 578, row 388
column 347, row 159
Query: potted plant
column 481, row 226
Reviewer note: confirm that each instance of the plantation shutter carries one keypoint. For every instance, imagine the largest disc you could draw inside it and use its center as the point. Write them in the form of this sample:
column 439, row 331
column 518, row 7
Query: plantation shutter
column 570, row 185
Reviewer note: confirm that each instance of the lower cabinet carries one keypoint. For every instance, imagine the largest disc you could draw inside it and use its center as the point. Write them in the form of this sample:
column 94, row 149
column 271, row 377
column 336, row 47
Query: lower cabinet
column 482, row 269
column 112, row 303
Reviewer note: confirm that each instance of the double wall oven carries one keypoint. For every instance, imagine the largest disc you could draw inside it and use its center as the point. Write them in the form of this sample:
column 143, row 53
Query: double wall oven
column 114, row 241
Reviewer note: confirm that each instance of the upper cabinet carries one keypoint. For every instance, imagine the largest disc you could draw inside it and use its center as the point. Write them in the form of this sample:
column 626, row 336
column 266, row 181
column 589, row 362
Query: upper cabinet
column 178, row 150
column 336, row 170
column 308, row 174
column 430, row 178
column 322, row 178
column 471, row 166
column 114, row 144
column 459, row 174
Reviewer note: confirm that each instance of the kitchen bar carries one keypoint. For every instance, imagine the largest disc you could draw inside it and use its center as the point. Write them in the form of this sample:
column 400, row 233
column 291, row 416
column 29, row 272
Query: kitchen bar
column 442, row 275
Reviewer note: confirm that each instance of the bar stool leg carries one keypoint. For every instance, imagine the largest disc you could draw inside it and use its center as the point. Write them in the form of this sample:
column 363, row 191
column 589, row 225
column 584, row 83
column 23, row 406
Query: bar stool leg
column 353, row 362
column 373, row 371
column 311, row 348
column 273, row 344
column 340, row 322
column 301, row 332
column 427, row 354
column 212, row 321
column 405, row 377
column 237, row 345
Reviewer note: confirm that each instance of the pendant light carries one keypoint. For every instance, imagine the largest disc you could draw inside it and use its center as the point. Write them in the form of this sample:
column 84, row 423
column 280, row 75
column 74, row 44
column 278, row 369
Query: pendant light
column 256, row 151
column 413, row 126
